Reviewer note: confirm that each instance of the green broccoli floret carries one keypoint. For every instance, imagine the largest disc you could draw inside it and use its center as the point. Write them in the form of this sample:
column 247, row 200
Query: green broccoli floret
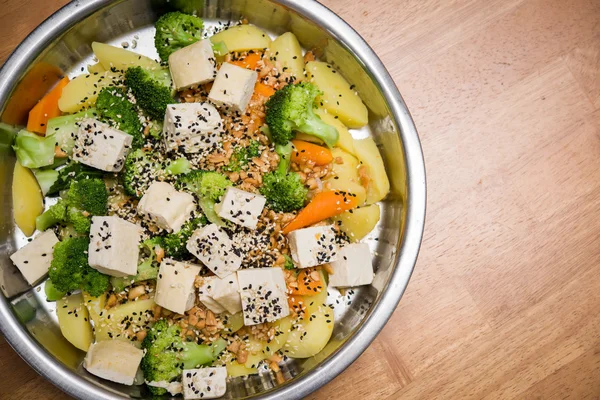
column 242, row 155
column 179, row 166
column 174, row 244
column 174, row 31
column 289, row 264
column 54, row 215
column 167, row 354
column 70, row 271
column 150, row 94
column 72, row 172
column 284, row 190
column 147, row 269
column 209, row 187
column 114, row 106
column 143, row 167
column 84, row 199
column 290, row 109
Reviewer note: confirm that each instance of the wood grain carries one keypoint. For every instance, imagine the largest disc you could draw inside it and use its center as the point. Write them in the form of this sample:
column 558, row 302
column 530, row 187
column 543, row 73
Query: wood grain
column 504, row 300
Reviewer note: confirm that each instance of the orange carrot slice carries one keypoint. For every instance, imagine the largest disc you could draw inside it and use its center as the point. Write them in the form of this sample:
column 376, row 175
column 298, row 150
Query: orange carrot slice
column 263, row 90
column 324, row 205
column 46, row 108
column 307, row 286
column 306, row 151
column 250, row 61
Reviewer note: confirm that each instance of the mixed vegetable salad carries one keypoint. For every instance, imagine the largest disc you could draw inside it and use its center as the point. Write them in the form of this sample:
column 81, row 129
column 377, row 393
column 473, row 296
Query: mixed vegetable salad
column 197, row 208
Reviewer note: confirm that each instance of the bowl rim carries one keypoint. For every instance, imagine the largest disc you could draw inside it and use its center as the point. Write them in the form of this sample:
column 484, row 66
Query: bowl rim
column 77, row 386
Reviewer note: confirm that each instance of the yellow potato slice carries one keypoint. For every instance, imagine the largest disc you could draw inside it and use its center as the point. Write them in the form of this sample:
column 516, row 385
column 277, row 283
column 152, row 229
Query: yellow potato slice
column 358, row 223
column 345, row 175
column 243, row 38
column 368, row 154
column 259, row 350
column 286, row 50
column 338, row 99
column 83, row 90
column 74, row 321
column 27, row 198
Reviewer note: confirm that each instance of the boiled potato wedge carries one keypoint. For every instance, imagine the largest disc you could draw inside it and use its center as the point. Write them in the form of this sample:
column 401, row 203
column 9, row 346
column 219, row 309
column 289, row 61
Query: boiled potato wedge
column 286, row 49
column 345, row 141
column 243, row 38
column 114, row 320
column 83, row 91
column 345, row 175
column 311, row 333
column 338, row 99
column 95, row 306
column 232, row 322
column 27, row 198
column 74, row 321
column 116, row 57
column 259, row 350
column 358, row 223
column 369, row 156
column 236, row 369
column 119, row 58
column 95, row 68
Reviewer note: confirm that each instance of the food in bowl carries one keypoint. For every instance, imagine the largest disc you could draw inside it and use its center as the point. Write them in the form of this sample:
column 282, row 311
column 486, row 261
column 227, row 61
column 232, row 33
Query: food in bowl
column 202, row 205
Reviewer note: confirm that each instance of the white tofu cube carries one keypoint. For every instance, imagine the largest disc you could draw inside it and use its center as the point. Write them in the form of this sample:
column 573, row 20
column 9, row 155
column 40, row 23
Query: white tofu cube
column 114, row 360
column 193, row 126
column 233, row 87
column 33, row 260
column 205, row 295
column 100, row 146
column 215, row 249
column 204, row 383
column 220, row 295
column 353, row 267
column 113, row 248
column 175, row 285
column 166, row 207
column 241, row 207
column 264, row 295
column 313, row 246
column 193, row 65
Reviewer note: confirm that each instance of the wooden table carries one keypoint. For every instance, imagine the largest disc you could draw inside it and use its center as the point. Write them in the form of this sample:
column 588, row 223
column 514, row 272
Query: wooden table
column 505, row 297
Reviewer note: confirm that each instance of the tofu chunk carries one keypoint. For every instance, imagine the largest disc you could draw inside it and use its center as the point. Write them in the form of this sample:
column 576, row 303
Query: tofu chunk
column 353, row 267
column 215, row 249
column 114, row 360
column 204, row 383
column 166, row 207
column 175, row 285
column 220, row 295
column 100, row 146
column 195, row 126
column 313, row 246
column 241, row 207
column 205, row 295
column 233, row 87
column 193, row 65
column 264, row 297
column 33, row 260
column 113, row 246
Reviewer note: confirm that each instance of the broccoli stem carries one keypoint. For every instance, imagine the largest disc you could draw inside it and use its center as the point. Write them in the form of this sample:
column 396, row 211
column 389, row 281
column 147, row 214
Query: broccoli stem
column 208, row 208
column 285, row 157
column 52, row 293
column 179, row 166
column 195, row 355
column 314, row 126
column 52, row 216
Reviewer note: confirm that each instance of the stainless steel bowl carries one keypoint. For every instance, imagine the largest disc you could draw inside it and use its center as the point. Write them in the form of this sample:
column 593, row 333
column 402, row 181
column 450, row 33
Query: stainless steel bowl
column 64, row 40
